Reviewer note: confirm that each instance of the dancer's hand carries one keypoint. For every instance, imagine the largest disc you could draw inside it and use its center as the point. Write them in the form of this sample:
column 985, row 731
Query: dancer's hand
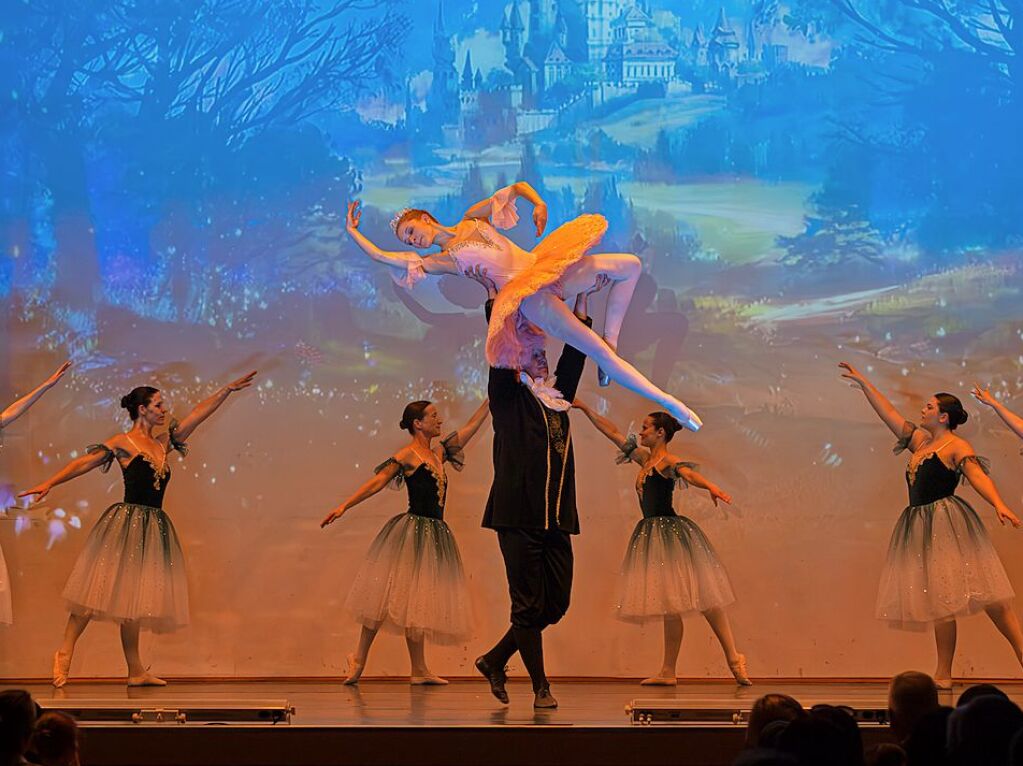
column 479, row 274
column 716, row 493
column 854, row 376
column 39, row 490
column 603, row 280
column 1005, row 515
column 354, row 216
column 983, row 395
column 53, row 379
column 333, row 516
column 540, row 218
column 243, row 382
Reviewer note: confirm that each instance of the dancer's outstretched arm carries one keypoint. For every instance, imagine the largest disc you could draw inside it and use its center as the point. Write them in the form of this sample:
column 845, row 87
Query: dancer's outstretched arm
column 207, row 407
column 21, row 406
column 1010, row 418
column 485, row 208
column 366, row 491
column 602, row 424
column 464, row 434
column 398, row 261
column 694, row 477
column 78, row 467
column 884, row 408
column 976, row 474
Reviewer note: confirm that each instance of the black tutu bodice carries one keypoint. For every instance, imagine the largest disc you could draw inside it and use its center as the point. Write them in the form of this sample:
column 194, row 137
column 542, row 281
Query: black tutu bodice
column 931, row 481
column 426, row 492
column 655, row 494
column 144, row 482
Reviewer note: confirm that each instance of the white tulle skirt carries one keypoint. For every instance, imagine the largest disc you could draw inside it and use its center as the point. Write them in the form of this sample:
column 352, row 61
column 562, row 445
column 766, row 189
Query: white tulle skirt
column 671, row 568
column 6, row 614
column 131, row 570
column 412, row 581
column 941, row 564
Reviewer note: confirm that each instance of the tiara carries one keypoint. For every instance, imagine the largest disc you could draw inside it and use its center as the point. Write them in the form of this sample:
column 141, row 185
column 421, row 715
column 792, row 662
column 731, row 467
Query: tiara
column 397, row 219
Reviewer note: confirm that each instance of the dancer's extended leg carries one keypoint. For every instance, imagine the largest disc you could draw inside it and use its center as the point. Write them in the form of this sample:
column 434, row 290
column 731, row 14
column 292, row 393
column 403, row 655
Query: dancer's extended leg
column 137, row 675
column 722, row 627
column 624, row 271
column 945, row 634
column 357, row 661
column 76, row 625
column 555, row 318
column 1007, row 621
column 672, row 645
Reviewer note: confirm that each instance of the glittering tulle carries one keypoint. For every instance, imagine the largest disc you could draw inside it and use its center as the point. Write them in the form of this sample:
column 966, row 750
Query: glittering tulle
column 131, row 569
column 5, row 592
column 554, row 254
column 670, row 567
column 412, row 580
column 941, row 564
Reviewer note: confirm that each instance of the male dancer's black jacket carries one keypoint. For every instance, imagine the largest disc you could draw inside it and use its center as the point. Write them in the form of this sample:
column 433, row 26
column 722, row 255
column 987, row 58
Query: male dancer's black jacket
column 532, row 499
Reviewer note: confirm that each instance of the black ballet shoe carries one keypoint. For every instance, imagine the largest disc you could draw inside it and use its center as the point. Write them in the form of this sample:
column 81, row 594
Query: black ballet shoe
column 496, row 676
column 544, row 700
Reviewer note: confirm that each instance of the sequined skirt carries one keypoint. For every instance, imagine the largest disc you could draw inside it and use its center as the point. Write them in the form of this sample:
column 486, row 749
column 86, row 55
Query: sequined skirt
column 941, row 564
column 671, row 568
column 131, row 570
column 5, row 592
column 412, row 581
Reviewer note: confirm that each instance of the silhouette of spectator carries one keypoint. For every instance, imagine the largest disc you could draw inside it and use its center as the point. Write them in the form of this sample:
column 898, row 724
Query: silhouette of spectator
column 926, row 746
column 18, row 713
column 768, row 709
column 885, row 754
column 55, row 740
column 911, row 695
column 979, row 690
column 981, row 732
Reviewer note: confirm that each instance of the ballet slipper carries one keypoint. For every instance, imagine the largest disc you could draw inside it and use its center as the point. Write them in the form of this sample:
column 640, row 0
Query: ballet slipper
column 61, row 669
column 738, row 668
column 659, row 681
column 146, row 679
column 355, row 669
column 943, row 684
column 684, row 415
column 428, row 679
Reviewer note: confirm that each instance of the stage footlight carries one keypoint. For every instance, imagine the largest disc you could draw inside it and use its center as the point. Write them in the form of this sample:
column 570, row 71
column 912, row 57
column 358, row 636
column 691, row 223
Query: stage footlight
column 247, row 712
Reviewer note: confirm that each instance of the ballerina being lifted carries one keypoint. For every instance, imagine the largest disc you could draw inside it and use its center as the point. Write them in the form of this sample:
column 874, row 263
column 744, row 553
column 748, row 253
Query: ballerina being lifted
column 532, row 285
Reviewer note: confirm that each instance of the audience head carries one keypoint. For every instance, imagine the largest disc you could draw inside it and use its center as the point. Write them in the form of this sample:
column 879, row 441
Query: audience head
column 17, row 719
column 911, row 695
column 885, row 754
column 926, row 746
column 828, row 735
column 980, row 732
column 768, row 709
column 980, row 690
column 55, row 741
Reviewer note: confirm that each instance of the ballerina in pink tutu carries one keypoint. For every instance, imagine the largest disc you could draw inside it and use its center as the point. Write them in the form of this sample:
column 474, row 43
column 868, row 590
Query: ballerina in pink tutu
column 532, row 285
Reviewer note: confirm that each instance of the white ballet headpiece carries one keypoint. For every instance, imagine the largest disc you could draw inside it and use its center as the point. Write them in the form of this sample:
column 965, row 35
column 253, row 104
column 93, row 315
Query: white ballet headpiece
column 397, row 219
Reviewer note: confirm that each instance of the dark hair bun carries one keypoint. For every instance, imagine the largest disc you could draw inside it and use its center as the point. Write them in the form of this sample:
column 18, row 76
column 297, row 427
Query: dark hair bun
column 126, row 402
column 949, row 404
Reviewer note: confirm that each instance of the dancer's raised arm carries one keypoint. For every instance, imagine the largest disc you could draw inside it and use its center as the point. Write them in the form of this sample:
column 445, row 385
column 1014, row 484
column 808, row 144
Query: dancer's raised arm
column 384, row 474
column 976, row 472
column 499, row 208
column 1010, row 418
column 896, row 423
column 21, row 406
column 398, row 261
column 602, row 424
column 207, row 407
column 461, row 437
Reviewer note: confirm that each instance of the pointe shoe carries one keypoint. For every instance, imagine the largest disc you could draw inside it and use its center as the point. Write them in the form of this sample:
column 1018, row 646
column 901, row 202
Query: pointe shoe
column 685, row 416
column 738, row 668
column 430, row 679
column 355, row 669
column 146, row 679
column 61, row 669
column 659, row 681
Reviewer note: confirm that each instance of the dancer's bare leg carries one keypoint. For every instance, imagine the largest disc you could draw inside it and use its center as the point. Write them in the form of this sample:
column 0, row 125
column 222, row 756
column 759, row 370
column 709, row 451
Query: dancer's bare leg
column 555, row 318
column 1007, row 621
column 718, row 620
column 357, row 661
column 945, row 640
column 624, row 270
column 137, row 675
column 421, row 675
column 76, row 625
column 672, row 644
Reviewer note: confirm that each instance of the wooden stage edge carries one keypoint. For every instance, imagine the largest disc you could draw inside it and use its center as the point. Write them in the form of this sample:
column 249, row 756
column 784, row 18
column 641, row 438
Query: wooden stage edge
column 390, row 722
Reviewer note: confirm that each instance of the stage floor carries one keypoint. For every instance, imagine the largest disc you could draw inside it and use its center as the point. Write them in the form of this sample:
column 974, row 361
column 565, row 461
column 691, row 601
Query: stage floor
column 390, row 722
